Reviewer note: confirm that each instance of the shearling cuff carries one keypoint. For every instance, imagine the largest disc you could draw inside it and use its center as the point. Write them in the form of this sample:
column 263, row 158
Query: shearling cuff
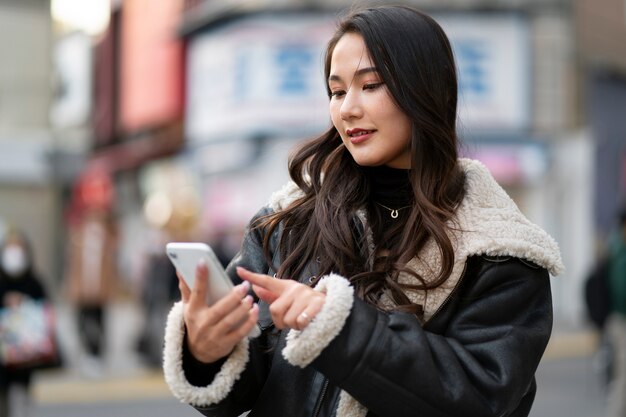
column 173, row 366
column 349, row 407
column 304, row 346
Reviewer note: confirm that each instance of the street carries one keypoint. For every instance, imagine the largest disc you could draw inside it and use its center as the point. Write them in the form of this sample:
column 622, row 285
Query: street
column 568, row 384
column 567, row 387
column 153, row 408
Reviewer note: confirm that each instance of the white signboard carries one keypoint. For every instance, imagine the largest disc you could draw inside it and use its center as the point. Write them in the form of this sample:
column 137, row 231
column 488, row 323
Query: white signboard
column 258, row 74
column 265, row 74
column 72, row 59
column 494, row 63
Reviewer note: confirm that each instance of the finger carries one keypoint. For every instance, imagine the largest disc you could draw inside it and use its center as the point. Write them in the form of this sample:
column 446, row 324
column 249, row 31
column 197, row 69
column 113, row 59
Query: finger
column 185, row 292
column 277, row 286
column 198, row 292
column 308, row 315
column 235, row 317
column 241, row 330
column 292, row 300
column 304, row 309
column 246, row 327
column 302, row 298
column 265, row 295
column 280, row 307
column 303, row 320
column 227, row 304
column 316, row 306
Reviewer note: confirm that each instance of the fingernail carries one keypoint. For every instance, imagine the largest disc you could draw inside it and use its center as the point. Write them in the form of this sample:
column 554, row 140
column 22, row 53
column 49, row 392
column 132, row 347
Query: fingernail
column 201, row 264
column 248, row 300
column 243, row 287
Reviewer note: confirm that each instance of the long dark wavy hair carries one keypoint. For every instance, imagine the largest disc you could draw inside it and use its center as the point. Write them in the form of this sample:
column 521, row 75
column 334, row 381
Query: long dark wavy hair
column 415, row 61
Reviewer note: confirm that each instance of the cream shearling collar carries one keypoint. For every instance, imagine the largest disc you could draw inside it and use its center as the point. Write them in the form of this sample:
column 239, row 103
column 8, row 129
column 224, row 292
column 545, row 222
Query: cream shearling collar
column 487, row 222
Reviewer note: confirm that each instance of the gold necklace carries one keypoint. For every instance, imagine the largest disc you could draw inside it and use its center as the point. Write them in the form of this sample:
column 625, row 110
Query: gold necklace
column 393, row 212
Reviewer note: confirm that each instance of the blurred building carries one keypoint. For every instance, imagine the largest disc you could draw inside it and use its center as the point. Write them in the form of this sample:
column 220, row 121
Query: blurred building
column 28, row 197
column 190, row 108
column 121, row 111
column 601, row 34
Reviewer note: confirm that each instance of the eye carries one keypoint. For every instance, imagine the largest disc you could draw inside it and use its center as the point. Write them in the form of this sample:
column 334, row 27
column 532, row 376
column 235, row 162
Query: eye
column 337, row 93
column 372, row 86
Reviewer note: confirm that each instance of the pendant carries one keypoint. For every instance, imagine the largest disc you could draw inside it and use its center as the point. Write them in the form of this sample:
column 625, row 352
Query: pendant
column 394, row 214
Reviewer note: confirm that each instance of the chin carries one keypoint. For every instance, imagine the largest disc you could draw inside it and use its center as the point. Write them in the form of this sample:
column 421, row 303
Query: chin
column 367, row 163
column 364, row 161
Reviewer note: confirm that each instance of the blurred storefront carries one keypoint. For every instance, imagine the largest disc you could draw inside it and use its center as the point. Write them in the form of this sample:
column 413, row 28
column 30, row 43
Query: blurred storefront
column 27, row 181
column 200, row 101
column 123, row 105
column 139, row 108
column 601, row 33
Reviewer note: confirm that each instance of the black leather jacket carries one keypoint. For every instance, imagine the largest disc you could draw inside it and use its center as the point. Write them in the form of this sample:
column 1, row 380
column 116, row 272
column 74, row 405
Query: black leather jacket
column 476, row 354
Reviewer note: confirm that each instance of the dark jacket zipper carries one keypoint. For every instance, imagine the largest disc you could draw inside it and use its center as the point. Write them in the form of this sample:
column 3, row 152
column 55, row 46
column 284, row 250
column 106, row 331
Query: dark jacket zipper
column 449, row 295
column 318, row 408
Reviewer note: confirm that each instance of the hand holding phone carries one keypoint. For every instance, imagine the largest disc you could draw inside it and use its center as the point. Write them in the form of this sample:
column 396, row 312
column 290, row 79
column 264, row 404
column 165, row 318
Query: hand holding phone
column 186, row 255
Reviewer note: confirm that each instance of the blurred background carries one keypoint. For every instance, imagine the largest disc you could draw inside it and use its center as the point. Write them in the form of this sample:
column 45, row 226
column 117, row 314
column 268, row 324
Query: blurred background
column 125, row 124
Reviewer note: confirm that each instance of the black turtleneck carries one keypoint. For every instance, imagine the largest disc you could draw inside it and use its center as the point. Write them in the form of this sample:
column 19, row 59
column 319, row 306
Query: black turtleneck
column 389, row 186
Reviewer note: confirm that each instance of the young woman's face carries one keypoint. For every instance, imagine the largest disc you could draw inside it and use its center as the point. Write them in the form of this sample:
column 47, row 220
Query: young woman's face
column 372, row 126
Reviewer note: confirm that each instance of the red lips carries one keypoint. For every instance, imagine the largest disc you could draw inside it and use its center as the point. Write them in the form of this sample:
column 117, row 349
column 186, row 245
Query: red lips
column 358, row 135
column 357, row 131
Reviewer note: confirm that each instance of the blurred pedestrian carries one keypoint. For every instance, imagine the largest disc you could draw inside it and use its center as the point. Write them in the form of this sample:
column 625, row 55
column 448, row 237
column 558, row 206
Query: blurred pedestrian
column 159, row 291
column 18, row 284
column 616, row 324
column 407, row 282
column 92, row 275
column 598, row 303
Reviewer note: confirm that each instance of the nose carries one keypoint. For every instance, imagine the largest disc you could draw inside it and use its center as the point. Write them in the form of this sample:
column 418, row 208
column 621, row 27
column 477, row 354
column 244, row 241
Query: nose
column 351, row 106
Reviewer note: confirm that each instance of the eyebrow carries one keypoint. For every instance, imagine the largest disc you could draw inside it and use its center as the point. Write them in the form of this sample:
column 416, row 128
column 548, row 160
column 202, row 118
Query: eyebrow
column 357, row 73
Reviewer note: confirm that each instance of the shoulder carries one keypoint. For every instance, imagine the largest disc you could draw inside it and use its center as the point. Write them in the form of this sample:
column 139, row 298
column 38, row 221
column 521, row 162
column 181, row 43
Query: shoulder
column 491, row 224
column 492, row 271
column 487, row 260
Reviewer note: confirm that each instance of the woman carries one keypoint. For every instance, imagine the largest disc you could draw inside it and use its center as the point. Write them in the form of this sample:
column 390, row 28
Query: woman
column 410, row 284
column 18, row 283
column 91, row 282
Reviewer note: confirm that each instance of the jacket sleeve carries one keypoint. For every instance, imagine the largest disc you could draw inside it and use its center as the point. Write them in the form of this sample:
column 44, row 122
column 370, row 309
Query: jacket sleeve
column 229, row 389
column 480, row 361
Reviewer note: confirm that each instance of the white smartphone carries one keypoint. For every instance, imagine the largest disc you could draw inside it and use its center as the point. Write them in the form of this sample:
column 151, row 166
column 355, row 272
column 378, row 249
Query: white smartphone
column 185, row 257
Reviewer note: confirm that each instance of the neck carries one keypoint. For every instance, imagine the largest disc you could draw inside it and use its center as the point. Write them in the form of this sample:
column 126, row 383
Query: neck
column 390, row 187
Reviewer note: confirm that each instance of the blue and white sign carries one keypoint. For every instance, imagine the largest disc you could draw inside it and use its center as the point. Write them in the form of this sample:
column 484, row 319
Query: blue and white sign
column 265, row 74
column 260, row 74
column 494, row 68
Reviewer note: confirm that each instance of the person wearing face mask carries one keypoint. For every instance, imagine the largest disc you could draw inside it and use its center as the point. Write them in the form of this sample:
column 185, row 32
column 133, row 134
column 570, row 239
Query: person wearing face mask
column 18, row 282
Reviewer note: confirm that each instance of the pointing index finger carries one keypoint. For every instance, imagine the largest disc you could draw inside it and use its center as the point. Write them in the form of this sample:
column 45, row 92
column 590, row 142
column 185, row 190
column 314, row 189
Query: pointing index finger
column 277, row 286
